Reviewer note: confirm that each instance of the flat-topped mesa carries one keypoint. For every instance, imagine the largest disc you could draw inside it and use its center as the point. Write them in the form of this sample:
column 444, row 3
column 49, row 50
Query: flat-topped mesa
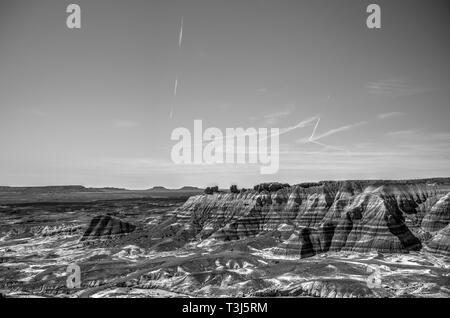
column 106, row 227
column 313, row 218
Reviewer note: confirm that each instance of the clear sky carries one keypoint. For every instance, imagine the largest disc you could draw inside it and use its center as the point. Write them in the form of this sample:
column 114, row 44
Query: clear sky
column 92, row 106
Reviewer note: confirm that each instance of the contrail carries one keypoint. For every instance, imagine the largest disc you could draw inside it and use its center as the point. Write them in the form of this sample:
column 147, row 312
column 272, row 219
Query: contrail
column 314, row 130
column 302, row 124
column 328, row 146
column 180, row 42
column 281, row 131
column 174, row 95
column 337, row 130
column 180, row 39
column 314, row 139
column 176, row 87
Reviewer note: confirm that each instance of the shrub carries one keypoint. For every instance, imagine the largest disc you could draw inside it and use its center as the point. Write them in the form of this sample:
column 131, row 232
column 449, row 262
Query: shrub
column 212, row 190
column 234, row 189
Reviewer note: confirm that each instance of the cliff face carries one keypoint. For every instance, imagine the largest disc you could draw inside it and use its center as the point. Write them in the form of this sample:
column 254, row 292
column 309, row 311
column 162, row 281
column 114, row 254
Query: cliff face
column 333, row 216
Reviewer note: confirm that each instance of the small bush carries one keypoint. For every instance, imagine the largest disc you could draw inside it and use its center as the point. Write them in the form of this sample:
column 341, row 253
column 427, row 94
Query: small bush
column 212, row 190
column 234, row 189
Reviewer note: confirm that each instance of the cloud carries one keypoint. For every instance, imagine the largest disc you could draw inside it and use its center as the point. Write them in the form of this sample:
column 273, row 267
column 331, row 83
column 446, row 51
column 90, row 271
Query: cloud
column 123, row 123
column 224, row 106
column 261, row 90
column 401, row 133
column 275, row 117
column 390, row 115
column 33, row 112
column 394, row 87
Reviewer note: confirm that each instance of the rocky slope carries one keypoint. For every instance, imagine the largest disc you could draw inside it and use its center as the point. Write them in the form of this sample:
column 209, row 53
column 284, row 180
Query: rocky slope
column 440, row 244
column 439, row 215
column 357, row 216
column 106, row 227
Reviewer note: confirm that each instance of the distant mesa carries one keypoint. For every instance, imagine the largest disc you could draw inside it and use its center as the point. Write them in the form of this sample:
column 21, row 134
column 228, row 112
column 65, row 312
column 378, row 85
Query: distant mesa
column 108, row 189
column 185, row 188
column 48, row 189
column 189, row 188
column 57, row 189
column 78, row 193
column 105, row 227
column 158, row 188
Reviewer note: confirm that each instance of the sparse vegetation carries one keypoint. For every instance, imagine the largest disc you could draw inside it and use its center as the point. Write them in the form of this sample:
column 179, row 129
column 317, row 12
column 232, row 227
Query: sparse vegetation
column 234, row 189
column 270, row 187
column 212, row 190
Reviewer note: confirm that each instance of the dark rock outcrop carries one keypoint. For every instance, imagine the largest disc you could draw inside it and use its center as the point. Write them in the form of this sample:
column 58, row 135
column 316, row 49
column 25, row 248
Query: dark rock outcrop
column 106, row 226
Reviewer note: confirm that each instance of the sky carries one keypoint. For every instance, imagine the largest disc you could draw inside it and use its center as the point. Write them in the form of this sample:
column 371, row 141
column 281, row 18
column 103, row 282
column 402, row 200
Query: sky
column 96, row 106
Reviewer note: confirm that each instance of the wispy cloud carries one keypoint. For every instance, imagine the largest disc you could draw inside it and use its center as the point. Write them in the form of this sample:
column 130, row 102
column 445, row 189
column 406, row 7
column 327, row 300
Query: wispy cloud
column 390, row 115
column 261, row 90
column 275, row 117
column 394, row 87
column 33, row 112
column 123, row 123
column 224, row 106
column 400, row 133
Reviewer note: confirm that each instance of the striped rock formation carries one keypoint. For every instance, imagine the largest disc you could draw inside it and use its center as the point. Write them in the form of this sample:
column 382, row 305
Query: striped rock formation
column 106, row 227
column 357, row 216
column 439, row 215
column 440, row 243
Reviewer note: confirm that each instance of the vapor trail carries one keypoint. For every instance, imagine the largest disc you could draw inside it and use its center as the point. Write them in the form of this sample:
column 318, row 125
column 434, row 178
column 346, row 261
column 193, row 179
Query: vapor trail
column 337, row 130
column 176, row 87
column 174, row 95
column 314, row 130
column 314, row 139
column 180, row 39
column 180, row 42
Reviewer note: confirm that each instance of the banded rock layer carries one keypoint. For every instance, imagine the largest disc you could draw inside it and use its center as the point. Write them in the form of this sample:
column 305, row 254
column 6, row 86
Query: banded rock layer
column 439, row 215
column 105, row 227
column 440, row 243
column 332, row 216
